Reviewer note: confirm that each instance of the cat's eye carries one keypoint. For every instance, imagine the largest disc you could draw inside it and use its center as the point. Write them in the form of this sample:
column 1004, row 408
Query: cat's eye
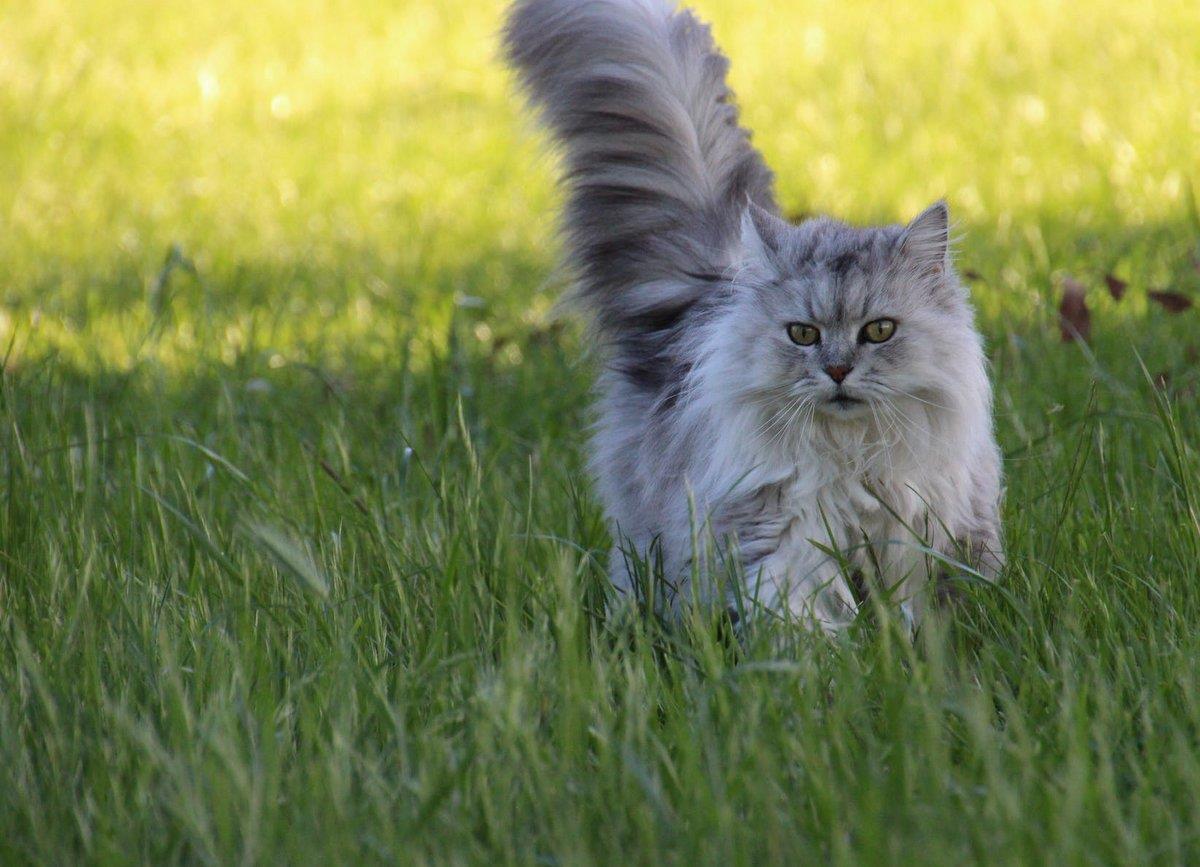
column 879, row 331
column 803, row 334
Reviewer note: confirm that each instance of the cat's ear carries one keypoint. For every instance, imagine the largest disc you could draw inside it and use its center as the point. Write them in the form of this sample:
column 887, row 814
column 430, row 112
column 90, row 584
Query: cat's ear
column 762, row 233
column 926, row 240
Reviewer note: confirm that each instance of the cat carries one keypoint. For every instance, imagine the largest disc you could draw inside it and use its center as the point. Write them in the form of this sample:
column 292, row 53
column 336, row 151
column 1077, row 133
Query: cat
column 812, row 398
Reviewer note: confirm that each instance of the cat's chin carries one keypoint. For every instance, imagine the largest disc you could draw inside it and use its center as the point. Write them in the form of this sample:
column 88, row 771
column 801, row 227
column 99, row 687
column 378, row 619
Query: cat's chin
column 843, row 407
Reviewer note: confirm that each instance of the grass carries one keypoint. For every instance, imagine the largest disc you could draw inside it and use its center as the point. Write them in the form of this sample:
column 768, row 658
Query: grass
column 298, row 560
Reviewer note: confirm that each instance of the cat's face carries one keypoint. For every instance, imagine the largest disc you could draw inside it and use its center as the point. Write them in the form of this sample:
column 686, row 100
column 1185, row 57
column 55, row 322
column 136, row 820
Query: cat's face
column 847, row 324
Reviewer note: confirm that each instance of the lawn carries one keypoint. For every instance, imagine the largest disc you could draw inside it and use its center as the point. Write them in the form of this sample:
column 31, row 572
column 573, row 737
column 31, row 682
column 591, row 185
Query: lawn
column 298, row 559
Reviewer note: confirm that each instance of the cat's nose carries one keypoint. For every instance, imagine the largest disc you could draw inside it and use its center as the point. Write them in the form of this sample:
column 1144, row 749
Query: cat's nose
column 838, row 372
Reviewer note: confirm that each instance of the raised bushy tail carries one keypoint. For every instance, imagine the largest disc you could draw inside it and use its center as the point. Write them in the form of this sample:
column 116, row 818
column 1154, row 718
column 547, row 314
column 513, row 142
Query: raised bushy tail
column 657, row 168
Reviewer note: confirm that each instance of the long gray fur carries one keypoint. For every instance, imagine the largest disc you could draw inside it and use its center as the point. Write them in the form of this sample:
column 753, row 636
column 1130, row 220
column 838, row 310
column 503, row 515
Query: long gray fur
column 657, row 168
column 710, row 419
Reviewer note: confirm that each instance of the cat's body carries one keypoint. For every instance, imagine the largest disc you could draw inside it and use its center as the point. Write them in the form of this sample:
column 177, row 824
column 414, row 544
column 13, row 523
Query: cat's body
column 783, row 390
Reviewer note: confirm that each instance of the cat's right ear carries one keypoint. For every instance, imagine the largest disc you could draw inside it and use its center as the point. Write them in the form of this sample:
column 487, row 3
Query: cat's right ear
column 762, row 234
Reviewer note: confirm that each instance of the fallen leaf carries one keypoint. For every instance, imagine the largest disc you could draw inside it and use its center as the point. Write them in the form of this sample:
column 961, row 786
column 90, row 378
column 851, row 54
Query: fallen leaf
column 1116, row 286
column 971, row 274
column 1191, row 354
column 1074, row 319
column 1172, row 302
column 1162, row 379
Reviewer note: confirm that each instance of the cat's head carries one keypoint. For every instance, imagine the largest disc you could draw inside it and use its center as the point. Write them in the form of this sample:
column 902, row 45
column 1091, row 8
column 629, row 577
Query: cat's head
column 843, row 324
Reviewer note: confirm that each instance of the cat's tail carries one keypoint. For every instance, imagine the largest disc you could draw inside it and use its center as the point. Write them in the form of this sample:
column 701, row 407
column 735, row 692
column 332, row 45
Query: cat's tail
column 657, row 168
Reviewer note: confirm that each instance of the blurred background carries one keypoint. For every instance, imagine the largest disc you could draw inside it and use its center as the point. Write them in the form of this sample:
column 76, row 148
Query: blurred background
column 338, row 172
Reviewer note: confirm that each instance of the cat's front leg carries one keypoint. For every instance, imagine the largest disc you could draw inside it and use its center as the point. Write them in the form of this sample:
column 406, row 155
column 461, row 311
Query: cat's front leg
column 981, row 551
column 799, row 582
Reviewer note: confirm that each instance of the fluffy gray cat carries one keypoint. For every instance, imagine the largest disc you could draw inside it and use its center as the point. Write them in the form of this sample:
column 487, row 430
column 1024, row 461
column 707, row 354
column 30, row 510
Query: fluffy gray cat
column 786, row 391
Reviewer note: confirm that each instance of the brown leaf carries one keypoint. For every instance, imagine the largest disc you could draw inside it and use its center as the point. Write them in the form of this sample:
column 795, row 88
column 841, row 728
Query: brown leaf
column 1074, row 319
column 1172, row 302
column 1162, row 379
column 972, row 274
column 1191, row 354
column 1116, row 286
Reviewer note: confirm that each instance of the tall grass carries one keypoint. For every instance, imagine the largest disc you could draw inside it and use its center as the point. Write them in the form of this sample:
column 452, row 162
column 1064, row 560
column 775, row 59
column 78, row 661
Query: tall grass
column 298, row 558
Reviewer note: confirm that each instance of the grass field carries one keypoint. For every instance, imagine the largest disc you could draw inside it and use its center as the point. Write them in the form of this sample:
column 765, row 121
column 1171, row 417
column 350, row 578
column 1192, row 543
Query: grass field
column 298, row 562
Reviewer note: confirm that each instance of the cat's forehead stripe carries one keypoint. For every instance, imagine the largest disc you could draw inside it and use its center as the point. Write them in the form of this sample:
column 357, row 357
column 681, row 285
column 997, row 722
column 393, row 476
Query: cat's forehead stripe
column 839, row 267
column 835, row 294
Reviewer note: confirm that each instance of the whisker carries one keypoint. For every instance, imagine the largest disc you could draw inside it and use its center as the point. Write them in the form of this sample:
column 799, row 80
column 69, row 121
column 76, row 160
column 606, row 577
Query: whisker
column 916, row 429
column 894, row 390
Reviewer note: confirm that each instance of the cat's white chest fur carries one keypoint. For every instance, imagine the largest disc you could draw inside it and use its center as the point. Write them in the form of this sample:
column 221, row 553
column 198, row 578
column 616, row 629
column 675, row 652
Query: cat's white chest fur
column 845, row 514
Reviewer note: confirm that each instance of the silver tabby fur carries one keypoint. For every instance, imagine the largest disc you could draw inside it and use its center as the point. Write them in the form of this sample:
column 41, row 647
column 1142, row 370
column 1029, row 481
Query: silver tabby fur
column 712, row 423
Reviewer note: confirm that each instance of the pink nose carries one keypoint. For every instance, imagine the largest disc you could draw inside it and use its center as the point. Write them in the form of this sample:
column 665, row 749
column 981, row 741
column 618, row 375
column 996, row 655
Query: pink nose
column 838, row 372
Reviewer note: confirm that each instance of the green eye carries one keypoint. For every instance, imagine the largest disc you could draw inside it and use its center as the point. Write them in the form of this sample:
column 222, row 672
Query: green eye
column 879, row 330
column 803, row 334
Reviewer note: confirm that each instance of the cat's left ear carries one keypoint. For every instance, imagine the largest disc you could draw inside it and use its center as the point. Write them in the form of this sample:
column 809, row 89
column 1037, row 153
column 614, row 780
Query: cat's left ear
column 926, row 240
